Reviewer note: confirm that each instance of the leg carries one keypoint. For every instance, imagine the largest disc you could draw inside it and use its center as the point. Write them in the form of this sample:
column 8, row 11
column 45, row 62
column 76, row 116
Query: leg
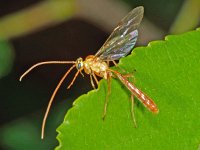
column 129, row 75
column 108, row 63
column 118, row 66
column 72, row 82
column 108, row 93
column 114, row 63
column 95, row 78
column 132, row 110
column 92, row 82
column 81, row 73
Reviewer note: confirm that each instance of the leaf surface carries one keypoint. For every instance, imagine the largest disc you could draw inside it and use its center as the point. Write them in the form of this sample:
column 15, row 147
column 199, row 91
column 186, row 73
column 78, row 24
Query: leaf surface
column 168, row 72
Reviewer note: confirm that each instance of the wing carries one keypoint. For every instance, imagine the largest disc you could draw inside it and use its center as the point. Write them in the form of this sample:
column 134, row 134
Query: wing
column 123, row 38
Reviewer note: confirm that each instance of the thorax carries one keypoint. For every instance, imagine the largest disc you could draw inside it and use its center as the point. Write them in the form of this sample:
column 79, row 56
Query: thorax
column 94, row 64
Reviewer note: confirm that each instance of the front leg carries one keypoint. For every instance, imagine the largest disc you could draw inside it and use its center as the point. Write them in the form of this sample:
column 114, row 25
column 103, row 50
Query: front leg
column 92, row 82
column 95, row 78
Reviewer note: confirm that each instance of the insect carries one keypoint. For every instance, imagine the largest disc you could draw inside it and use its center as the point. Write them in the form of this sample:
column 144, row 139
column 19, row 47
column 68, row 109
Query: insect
column 118, row 45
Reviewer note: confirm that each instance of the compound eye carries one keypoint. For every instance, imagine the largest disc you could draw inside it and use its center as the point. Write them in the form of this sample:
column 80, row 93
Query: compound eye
column 79, row 65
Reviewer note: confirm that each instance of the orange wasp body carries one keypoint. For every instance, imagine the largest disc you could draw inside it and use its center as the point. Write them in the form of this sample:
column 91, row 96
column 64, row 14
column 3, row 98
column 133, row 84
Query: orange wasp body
column 119, row 44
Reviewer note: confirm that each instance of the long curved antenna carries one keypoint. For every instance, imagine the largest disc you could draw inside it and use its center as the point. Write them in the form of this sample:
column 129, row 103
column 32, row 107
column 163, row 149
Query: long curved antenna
column 74, row 79
column 44, row 63
column 51, row 100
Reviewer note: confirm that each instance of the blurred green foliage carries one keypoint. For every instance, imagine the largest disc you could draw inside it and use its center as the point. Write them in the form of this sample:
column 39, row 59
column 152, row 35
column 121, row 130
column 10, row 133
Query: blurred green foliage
column 161, row 12
column 24, row 133
column 188, row 17
column 45, row 13
column 6, row 58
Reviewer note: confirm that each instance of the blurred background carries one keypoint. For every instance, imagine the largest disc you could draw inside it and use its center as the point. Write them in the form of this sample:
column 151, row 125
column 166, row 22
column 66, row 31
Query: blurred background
column 40, row 30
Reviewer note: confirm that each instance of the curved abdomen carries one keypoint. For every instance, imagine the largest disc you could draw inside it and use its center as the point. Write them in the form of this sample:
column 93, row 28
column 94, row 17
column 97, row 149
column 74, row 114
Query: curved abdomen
column 147, row 101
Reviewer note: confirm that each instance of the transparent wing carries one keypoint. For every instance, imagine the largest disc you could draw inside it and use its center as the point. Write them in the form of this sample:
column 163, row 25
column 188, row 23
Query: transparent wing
column 123, row 38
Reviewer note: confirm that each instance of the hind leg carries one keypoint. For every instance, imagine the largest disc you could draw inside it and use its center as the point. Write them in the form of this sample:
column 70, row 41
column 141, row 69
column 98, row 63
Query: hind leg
column 108, row 93
column 118, row 66
column 132, row 110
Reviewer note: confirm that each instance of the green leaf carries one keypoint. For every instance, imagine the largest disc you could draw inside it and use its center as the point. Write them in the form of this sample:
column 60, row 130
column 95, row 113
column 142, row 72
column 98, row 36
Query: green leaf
column 6, row 58
column 167, row 71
